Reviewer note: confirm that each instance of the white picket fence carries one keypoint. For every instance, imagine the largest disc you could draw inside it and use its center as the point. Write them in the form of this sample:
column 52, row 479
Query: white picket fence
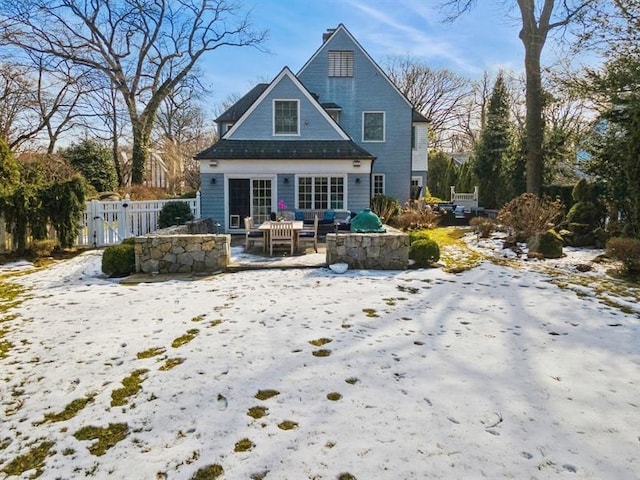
column 109, row 222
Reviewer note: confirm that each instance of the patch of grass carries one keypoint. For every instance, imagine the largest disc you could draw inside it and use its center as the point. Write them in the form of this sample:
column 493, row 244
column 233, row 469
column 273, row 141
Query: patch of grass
column 455, row 255
column 257, row 412
column 198, row 318
column 9, row 293
column 214, row 323
column 266, row 394
column 131, row 385
column 243, row 445
column 4, row 443
column 346, row 476
column 69, row 411
column 370, row 312
column 352, row 380
column 150, row 352
column 287, row 425
column 170, row 363
column 323, row 352
column 406, row 289
column 68, row 451
column 32, row 460
column 106, row 437
column 259, row 475
column 210, row 472
column 320, row 341
column 5, row 345
column 334, row 396
column 186, row 338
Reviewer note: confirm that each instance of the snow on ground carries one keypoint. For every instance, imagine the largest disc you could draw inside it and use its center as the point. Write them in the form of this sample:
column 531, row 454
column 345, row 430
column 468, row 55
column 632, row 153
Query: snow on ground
column 496, row 372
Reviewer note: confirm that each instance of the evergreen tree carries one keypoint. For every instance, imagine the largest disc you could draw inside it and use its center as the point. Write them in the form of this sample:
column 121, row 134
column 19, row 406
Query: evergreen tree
column 442, row 174
column 492, row 148
column 95, row 162
column 615, row 147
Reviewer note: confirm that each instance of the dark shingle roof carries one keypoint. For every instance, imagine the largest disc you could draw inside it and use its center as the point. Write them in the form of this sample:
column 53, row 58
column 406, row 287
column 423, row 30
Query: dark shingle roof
column 418, row 117
column 284, row 149
column 235, row 111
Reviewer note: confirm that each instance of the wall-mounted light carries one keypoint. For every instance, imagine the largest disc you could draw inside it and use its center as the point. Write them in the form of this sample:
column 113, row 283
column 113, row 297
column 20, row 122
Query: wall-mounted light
column 286, row 180
column 213, row 181
column 357, row 180
column 213, row 163
column 356, row 163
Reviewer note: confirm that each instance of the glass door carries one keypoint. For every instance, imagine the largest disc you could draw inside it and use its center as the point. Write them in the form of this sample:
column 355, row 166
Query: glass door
column 260, row 199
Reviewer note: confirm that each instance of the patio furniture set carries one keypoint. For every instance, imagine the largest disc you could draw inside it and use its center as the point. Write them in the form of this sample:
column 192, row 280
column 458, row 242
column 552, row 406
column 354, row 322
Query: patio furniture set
column 285, row 233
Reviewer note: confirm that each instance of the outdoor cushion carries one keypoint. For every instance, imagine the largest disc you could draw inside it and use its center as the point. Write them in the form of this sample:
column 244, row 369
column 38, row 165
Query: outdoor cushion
column 329, row 216
column 255, row 234
column 306, row 234
column 299, row 215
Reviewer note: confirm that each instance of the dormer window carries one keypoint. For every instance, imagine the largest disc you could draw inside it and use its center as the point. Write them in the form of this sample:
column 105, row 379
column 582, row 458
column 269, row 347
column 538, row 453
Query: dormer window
column 285, row 117
column 341, row 63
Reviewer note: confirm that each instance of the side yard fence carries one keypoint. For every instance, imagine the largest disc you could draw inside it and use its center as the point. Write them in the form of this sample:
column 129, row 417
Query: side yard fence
column 109, row 222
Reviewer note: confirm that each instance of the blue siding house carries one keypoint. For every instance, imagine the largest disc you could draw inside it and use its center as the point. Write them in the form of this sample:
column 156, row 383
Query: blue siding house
column 329, row 138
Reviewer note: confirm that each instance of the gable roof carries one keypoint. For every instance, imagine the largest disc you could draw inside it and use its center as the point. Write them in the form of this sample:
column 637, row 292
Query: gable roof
column 235, row 111
column 285, row 72
column 277, row 149
column 417, row 117
column 341, row 28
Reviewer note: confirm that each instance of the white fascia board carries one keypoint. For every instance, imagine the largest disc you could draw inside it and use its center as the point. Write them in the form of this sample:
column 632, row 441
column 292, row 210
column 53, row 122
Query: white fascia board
column 244, row 168
column 324, row 46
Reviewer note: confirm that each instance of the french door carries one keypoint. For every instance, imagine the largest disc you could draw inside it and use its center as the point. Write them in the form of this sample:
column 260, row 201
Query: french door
column 249, row 197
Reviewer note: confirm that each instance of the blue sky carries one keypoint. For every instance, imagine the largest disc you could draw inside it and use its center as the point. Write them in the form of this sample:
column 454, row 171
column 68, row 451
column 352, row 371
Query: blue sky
column 483, row 40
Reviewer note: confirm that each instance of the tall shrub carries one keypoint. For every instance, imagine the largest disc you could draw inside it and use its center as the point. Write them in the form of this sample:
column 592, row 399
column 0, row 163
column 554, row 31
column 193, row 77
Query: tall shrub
column 529, row 214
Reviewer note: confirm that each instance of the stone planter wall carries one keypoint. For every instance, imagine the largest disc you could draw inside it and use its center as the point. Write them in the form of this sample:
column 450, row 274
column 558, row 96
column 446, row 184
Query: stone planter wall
column 177, row 252
column 370, row 251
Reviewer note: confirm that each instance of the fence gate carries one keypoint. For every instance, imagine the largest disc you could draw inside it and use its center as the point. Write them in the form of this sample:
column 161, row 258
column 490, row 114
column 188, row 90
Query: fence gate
column 110, row 222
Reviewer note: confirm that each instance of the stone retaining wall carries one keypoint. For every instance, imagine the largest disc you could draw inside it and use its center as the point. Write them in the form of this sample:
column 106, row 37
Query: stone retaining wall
column 177, row 252
column 371, row 251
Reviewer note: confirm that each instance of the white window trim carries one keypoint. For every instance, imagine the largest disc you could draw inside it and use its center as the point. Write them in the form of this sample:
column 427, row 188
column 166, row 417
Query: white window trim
column 273, row 121
column 373, row 183
column 384, row 126
column 345, row 182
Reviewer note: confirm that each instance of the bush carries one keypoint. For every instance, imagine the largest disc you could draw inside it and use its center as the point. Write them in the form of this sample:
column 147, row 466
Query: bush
column 529, row 214
column 119, row 260
column 626, row 250
column 43, row 248
column 387, row 208
column 174, row 213
column 417, row 214
column 424, row 252
column 416, row 235
column 484, row 226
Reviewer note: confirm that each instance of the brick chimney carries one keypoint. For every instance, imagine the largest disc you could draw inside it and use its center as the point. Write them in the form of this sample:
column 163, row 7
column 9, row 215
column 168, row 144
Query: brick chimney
column 327, row 34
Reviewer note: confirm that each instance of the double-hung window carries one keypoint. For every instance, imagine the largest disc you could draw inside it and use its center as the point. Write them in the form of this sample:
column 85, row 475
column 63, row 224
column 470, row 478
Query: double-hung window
column 378, row 184
column 373, row 126
column 285, row 117
column 321, row 193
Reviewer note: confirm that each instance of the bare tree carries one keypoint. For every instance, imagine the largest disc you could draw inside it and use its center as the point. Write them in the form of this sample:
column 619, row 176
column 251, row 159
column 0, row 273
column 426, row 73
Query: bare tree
column 442, row 96
column 538, row 19
column 181, row 132
column 38, row 99
column 144, row 47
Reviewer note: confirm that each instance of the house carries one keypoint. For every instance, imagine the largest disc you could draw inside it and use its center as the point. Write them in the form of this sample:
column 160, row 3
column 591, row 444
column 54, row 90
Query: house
column 328, row 138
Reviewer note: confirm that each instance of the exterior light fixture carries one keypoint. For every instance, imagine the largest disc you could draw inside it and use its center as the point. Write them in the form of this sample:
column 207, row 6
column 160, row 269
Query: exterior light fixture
column 213, row 181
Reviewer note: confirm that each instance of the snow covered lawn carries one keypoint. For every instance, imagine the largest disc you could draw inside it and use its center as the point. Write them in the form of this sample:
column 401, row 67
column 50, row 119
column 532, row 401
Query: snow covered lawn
column 497, row 372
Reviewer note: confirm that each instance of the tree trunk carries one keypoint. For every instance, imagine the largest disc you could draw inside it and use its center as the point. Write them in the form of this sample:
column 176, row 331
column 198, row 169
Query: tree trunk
column 141, row 145
column 533, row 36
column 534, row 127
